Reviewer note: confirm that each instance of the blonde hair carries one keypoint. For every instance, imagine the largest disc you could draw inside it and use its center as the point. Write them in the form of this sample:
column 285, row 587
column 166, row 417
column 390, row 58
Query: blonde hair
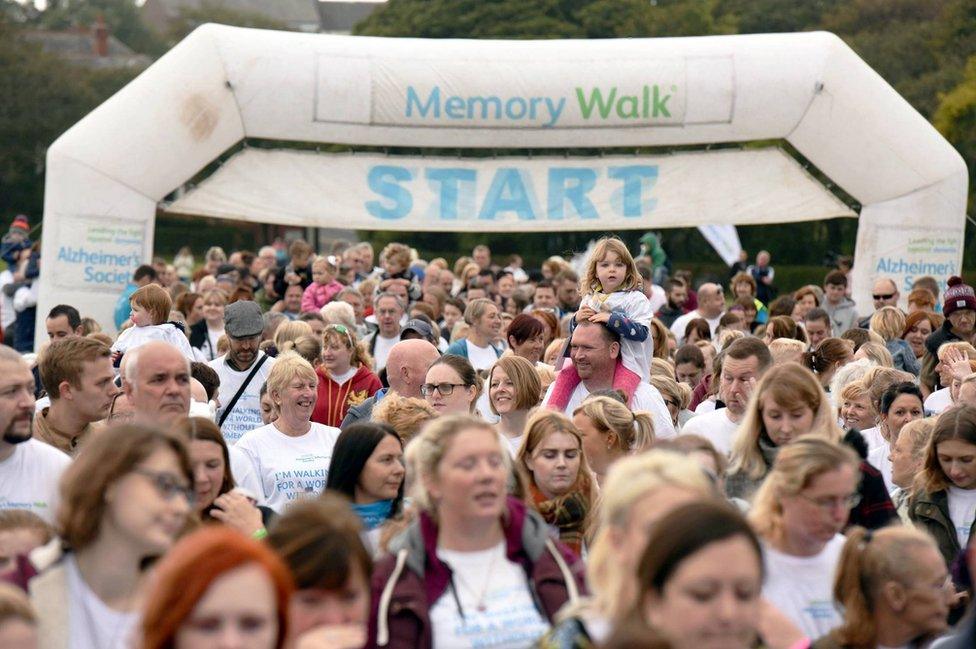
column 628, row 482
column 888, row 322
column 430, row 447
column 878, row 379
column 787, row 350
column 661, row 334
column 867, row 562
column 291, row 330
column 670, row 388
column 540, row 425
column 554, row 347
column 308, row 347
column 590, row 283
column 407, row 415
column 727, row 337
column 797, row 465
column 964, row 347
column 286, row 368
column 528, row 387
column 338, row 312
column 661, row 367
column 396, row 253
column 878, row 353
column 630, row 431
column 359, row 353
column 788, row 385
column 920, row 431
column 476, row 309
column 848, row 374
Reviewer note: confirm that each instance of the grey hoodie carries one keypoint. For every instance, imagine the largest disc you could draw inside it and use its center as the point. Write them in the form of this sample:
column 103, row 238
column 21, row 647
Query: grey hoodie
column 842, row 316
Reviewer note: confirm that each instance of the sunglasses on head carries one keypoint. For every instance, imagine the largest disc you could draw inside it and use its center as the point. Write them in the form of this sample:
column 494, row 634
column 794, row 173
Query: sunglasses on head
column 883, row 297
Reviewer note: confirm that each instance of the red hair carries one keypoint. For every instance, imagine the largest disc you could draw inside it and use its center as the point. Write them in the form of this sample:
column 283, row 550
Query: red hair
column 186, row 572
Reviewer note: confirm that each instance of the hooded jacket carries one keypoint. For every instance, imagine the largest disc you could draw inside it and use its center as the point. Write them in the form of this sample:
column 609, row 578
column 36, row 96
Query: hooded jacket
column 843, row 316
column 412, row 578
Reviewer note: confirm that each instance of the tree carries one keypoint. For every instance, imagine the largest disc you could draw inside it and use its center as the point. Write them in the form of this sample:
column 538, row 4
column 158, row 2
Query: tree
column 213, row 11
column 121, row 16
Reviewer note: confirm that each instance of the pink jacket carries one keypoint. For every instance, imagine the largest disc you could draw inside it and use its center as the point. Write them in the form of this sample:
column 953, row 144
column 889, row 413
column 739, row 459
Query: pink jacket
column 317, row 296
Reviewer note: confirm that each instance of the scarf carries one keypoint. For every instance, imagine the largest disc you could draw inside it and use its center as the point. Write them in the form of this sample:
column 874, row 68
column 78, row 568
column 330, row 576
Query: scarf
column 568, row 378
column 374, row 514
column 566, row 513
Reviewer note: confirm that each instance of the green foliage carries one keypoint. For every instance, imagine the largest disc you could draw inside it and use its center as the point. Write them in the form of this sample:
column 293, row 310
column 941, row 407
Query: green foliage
column 41, row 100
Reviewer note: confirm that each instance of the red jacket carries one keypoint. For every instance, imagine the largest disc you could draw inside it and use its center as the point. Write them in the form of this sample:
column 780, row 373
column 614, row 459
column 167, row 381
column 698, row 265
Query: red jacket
column 333, row 400
column 409, row 581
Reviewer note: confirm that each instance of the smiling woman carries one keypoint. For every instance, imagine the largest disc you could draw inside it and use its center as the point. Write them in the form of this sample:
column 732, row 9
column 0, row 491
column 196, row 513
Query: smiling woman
column 475, row 565
column 291, row 455
column 125, row 499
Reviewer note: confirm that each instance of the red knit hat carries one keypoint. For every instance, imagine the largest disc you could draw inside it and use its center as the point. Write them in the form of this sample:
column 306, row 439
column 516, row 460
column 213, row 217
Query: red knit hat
column 958, row 296
column 21, row 225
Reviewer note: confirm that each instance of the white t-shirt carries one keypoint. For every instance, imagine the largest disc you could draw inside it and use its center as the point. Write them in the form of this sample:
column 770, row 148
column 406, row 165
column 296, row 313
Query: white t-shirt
column 716, row 427
column 483, row 408
column 91, row 623
column 345, row 376
column 802, row 587
column 938, row 401
column 508, row 618
column 679, row 325
column 707, row 405
column 382, row 350
column 646, row 397
column 134, row 337
column 29, row 478
column 658, row 298
column 246, row 414
column 962, row 511
column 289, row 468
column 243, row 473
column 514, row 444
column 7, row 312
column 878, row 458
column 873, row 438
column 481, row 358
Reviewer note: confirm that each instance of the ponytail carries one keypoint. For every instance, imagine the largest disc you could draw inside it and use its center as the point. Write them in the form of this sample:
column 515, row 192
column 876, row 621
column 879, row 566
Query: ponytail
column 643, row 436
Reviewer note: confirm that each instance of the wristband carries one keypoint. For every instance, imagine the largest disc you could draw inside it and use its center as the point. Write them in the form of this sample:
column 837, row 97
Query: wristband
column 259, row 534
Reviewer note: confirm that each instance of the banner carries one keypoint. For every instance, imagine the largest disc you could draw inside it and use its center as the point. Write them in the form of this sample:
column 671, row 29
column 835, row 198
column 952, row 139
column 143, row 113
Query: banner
column 371, row 192
column 97, row 253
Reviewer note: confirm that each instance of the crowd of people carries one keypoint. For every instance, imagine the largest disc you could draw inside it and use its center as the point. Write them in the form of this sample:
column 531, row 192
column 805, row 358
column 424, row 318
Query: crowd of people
column 299, row 449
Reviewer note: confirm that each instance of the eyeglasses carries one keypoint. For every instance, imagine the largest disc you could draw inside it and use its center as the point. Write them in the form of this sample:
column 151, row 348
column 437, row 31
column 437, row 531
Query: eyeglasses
column 883, row 297
column 831, row 503
column 446, row 389
column 167, row 485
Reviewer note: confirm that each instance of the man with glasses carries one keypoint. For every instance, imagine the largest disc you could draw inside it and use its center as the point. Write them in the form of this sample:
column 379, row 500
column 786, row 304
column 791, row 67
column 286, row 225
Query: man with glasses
column 29, row 469
column 884, row 293
column 595, row 353
column 242, row 371
column 389, row 310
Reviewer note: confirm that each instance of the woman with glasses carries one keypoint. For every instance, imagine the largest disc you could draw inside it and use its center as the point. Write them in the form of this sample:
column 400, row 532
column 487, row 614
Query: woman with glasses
column 893, row 588
column 451, row 386
column 345, row 377
column 291, row 455
column 124, row 499
column 787, row 403
column 479, row 347
column 799, row 512
column 944, row 502
column 367, row 467
column 513, row 390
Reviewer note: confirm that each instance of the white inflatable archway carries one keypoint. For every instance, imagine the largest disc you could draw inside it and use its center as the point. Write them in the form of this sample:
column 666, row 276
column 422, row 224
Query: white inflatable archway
column 107, row 175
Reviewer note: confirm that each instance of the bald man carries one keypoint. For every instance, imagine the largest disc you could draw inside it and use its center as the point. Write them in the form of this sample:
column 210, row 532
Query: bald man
column 711, row 307
column 406, row 367
column 157, row 383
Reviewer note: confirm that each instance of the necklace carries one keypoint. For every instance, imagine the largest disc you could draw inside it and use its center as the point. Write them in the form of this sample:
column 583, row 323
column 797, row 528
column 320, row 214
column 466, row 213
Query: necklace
column 479, row 595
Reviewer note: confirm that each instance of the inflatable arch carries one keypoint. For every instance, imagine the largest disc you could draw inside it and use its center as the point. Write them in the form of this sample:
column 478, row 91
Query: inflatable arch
column 107, row 174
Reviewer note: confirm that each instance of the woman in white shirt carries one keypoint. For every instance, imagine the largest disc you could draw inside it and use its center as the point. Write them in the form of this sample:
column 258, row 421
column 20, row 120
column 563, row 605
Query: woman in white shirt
column 485, row 323
column 125, row 498
column 291, row 455
column 476, row 567
column 513, row 390
column 799, row 512
column 205, row 333
column 944, row 502
column 900, row 404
